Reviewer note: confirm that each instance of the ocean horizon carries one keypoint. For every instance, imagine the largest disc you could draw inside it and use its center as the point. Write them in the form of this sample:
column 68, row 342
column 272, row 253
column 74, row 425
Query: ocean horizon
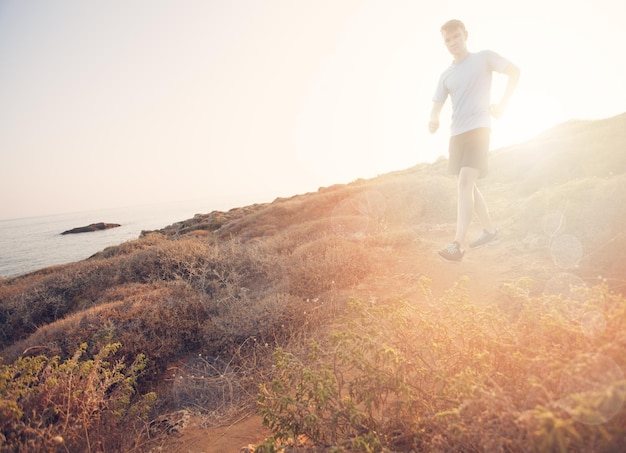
column 33, row 243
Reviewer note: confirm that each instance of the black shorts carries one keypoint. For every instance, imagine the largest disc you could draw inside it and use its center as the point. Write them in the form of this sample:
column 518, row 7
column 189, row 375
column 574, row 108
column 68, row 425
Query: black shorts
column 470, row 149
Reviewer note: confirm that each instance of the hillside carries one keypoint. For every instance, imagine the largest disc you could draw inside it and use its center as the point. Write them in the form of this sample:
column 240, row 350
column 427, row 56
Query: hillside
column 210, row 308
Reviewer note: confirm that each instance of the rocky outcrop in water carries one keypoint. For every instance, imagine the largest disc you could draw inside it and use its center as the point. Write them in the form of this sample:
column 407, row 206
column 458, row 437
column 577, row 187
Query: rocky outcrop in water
column 93, row 227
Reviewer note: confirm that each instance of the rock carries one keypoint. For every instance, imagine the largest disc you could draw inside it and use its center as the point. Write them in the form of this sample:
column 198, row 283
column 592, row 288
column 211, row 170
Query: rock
column 172, row 423
column 92, row 227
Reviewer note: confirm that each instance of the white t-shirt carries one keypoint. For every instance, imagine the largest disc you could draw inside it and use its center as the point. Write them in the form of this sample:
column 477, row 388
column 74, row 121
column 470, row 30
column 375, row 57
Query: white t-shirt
column 469, row 85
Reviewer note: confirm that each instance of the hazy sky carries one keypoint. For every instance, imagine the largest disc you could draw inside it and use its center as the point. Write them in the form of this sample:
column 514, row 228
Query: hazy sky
column 118, row 103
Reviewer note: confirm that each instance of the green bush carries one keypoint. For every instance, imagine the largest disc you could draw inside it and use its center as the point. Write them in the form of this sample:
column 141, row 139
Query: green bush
column 79, row 404
column 409, row 377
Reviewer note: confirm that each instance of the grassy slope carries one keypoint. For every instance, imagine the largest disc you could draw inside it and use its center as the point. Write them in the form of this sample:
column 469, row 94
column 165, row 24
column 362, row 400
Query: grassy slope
column 216, row 293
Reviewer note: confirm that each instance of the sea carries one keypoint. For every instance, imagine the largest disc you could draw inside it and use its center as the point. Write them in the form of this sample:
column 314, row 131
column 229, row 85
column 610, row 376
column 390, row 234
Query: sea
column 30, row 244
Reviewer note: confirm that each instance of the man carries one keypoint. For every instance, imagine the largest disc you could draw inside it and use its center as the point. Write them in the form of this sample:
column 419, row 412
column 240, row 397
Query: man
column 468, row 83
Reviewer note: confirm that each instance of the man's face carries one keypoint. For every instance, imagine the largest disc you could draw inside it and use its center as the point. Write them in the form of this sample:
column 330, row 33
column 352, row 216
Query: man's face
column 456, row 41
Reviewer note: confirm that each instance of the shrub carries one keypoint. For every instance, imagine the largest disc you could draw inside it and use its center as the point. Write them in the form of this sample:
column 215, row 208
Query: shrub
column 130, row 247
column 79, row 404
column 325, row 263
column 409, row 377
column 43, row 298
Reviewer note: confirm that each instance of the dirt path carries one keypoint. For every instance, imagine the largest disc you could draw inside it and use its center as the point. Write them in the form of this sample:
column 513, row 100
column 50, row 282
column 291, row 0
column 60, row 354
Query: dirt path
column 224, row 439
column 397, row 275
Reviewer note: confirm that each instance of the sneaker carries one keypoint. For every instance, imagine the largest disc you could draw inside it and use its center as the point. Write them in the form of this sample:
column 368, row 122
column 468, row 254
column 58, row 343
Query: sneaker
column 452, row 252
column 486, row 238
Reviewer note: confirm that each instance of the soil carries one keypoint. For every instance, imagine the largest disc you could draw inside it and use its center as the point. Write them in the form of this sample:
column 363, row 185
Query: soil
column 233, row 438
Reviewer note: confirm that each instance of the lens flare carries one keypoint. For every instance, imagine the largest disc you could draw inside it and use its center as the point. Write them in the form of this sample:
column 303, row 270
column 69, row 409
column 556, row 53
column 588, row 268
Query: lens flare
column 566, row 251
column 593, row 324
column 554, row 223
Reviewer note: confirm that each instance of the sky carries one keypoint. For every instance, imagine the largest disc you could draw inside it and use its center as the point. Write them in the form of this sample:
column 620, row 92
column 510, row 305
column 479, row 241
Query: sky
column 125, row 103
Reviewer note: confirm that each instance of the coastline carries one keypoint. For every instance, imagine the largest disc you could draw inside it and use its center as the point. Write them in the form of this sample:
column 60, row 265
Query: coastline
column 33, row 243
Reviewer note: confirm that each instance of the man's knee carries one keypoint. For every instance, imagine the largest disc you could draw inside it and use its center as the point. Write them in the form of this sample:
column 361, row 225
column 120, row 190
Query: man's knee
column 468, row 177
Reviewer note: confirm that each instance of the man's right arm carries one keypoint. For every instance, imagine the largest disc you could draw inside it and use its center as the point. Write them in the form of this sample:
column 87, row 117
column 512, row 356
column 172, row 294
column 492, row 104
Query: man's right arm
column 433, row 124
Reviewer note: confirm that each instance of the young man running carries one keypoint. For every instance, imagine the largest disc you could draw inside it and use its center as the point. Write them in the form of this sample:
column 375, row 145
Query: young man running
column 468, row 83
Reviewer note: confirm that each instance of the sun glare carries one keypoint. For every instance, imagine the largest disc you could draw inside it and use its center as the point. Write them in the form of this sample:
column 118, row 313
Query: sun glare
column 528, row 114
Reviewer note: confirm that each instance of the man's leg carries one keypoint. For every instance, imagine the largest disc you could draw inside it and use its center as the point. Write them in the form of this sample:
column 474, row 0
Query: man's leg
column 465, row 203
column 481, row 210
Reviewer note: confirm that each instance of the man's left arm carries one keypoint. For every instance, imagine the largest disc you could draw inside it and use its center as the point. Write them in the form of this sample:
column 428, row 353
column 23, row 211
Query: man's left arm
column 513, row 73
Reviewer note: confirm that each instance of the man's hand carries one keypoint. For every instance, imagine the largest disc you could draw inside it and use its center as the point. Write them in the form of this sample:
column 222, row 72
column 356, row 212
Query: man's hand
column 433, row 124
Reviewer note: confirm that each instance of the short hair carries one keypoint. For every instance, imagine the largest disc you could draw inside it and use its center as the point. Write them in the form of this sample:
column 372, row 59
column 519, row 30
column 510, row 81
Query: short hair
column 452, row 25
